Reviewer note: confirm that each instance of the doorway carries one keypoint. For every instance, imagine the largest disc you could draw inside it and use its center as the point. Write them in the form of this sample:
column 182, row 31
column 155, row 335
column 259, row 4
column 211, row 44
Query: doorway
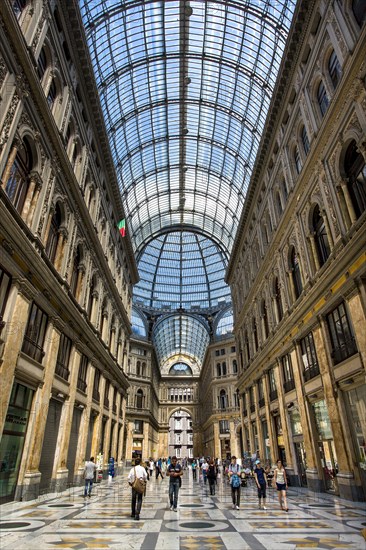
column 329, row 465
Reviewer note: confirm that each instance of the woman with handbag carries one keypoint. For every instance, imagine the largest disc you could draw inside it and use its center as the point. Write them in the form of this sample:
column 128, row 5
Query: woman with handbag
column 137, row 480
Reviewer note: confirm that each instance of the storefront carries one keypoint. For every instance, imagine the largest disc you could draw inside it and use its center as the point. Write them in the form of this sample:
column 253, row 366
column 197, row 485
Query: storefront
column 356, row 405
column 299, row 447
column 326, row 446
column 12, row 442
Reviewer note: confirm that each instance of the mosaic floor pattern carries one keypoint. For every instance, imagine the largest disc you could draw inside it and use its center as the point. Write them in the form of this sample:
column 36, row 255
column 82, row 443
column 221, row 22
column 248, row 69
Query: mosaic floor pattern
column 203, row 522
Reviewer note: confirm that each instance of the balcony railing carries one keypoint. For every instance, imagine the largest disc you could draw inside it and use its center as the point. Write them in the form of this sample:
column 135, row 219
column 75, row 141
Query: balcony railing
column 32, row 349
column 311, row 372
column 62, row 370
column 273, row 395
column 82, row 385
column 289, row 385
column 345, row 350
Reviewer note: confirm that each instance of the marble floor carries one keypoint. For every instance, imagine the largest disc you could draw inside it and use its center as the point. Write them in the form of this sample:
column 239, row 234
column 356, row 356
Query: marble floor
column 202, row 522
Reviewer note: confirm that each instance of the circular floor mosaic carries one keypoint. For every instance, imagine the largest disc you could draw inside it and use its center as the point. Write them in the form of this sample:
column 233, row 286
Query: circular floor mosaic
column 20, row 525
column 60, row 505
column 191, row 506
column 196, row 525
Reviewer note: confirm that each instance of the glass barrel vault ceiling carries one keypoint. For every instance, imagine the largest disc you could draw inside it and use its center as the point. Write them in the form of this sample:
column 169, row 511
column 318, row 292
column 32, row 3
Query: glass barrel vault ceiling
column 185, row 88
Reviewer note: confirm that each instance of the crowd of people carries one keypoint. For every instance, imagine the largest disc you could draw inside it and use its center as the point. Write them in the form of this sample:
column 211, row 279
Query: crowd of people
column 209, row 470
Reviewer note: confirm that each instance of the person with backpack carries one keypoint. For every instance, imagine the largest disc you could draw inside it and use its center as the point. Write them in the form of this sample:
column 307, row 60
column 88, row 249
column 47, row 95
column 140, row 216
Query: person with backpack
column 234, row 477
column 136, row 472
column 211, row 476
column 261, row 481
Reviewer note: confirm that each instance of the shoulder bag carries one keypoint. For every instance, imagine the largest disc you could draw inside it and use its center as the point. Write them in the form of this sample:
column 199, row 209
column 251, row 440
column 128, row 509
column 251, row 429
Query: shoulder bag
column 139, row 484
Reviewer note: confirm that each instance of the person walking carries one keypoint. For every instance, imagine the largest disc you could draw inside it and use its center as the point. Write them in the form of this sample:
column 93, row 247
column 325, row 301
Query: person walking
column 151, row 466
column 261, row 482
column 280, row 479
column 194, row 469
column 139, row 472
column 175, row 473
column 211, row 476
column 204, row 469
column 89, row 471
column 234, row 477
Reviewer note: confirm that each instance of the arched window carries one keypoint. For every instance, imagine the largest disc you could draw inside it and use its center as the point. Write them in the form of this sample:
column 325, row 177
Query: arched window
column 53, row 235
column 255, row 334
column 355, row 169
column 223, row 400
column 75, row 271
column 322, row 97
column 334, row 68
column 139, row 399
column 278, row 203
column 305, row 140
column 18, row 182
column 359, row 11
column 42, row 64
column 297, row 159
column 320, row 236
column 18, row 7
column 264, row 319
column 278, row 300
column 295, row 272
column 52, row 94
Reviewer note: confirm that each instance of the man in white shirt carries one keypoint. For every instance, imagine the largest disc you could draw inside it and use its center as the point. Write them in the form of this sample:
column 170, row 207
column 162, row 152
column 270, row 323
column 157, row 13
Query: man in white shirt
column 204, row 468
column 139, row 472
column 89, row 471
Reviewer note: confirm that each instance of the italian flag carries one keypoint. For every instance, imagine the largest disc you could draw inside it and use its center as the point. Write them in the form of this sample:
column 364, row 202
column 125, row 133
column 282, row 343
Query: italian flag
column 122, row 227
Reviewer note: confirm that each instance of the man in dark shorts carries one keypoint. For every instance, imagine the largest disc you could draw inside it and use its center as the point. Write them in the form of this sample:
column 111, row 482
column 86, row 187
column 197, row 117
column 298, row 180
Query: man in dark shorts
column 261, row 481
column 175, row 472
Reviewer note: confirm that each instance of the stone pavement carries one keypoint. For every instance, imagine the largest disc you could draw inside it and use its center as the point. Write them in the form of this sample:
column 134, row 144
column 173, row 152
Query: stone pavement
column 201, row 523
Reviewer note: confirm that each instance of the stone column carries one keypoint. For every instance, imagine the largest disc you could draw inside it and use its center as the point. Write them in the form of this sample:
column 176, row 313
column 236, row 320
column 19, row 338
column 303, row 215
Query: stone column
column 84, row 426
column 258, row 420
column 33, row 206
column 129, row 442
column 13, row 333
column 309, row 435
column 9, row 164
column 48, row 226
column 345, row 475
column 216, row 434
column 122, row 432
column 115, row 430
column 63, row 441
column 35, row 436
column 146, row 450
column 35, row 181
column 348, row 201
column 273, row 445
column 314, row 251
column 284, row 420
column 359, row 324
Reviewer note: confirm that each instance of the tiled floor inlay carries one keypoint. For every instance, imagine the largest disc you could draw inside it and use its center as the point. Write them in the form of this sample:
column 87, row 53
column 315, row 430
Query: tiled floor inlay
column 202, row 522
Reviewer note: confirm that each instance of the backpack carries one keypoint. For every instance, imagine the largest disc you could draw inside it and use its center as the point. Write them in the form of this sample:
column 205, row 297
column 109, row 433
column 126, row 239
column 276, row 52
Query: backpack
column 235, row 481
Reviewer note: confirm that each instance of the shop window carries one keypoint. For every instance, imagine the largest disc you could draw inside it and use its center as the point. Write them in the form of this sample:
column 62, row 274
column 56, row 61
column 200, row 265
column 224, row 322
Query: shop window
column 288, row 375
column 341, row 334
column 35, row 334
column 322, row 98
column 305, row 141
column 355, row 169
column 63, row 357
column 5, row 283
column 83, row 369
column 359, row 11
column 334, row 68
column 54, row 233
column 309, row 357
column 17, row 185
column 320, row 237
column 295, row 273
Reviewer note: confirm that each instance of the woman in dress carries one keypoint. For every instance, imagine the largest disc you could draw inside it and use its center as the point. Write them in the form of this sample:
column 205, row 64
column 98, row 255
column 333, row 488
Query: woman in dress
column 280, row 480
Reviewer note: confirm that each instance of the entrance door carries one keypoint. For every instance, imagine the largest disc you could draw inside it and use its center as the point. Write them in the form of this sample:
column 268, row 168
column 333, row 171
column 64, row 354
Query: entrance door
column 301, row 462
column 329, row 465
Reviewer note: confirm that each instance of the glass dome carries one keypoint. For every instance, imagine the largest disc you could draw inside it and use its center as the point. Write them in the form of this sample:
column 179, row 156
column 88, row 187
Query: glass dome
column 182, row 270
